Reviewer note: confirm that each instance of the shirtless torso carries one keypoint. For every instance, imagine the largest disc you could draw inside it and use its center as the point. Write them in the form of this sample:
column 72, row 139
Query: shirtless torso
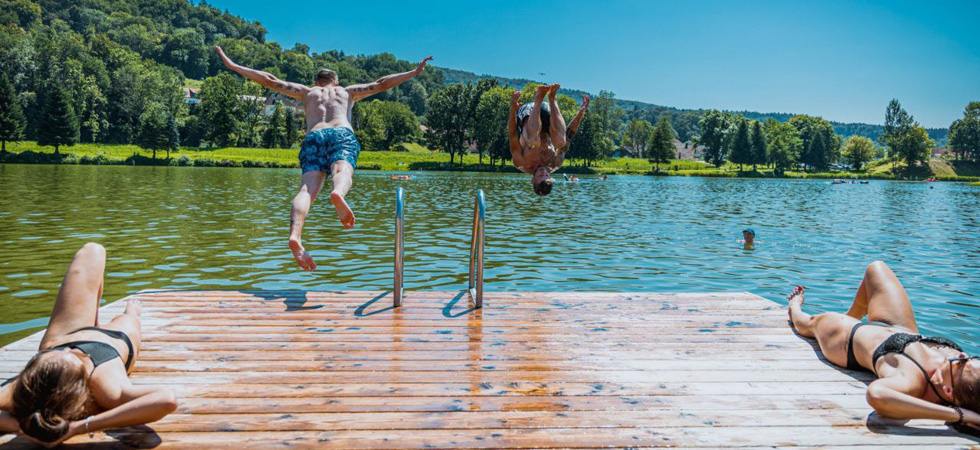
column 536, row 145
column 330, row 145
column 327, row 107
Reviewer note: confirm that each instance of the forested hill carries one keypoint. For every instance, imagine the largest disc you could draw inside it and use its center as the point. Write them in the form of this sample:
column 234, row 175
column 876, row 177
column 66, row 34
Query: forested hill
column 123, row 62
column 116, row 60
column 640, row 110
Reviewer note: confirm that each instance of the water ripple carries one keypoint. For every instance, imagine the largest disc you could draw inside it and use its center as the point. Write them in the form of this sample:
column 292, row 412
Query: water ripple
column 213, row 228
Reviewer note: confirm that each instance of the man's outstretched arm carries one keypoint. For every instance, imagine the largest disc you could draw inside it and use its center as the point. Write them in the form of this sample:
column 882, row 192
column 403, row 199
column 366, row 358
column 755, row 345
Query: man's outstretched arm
column 268, row 80
column 361, row 91
column 573, row 126
column 516, row 150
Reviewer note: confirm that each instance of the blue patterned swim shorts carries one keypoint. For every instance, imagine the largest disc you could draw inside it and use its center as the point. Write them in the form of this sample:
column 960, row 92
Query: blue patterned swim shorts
column 325, row 146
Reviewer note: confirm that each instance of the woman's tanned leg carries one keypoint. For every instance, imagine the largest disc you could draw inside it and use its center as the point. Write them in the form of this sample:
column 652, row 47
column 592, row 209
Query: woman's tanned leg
column 77, row 305
column 830, row 329
column 887, row 300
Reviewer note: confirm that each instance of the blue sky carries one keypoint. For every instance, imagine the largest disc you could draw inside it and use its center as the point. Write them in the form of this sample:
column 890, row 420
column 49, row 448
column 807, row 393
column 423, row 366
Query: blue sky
column 843, row 60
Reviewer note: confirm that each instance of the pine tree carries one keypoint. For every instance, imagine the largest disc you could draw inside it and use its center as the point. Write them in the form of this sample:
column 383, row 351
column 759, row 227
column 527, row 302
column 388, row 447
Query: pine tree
column 760, row 151
column 742, row 145
column 11, row 116
column 290, row 126
column 57, row 124
column 158, row 130
column 274, row 136
column 662, row 142
column 172, row 134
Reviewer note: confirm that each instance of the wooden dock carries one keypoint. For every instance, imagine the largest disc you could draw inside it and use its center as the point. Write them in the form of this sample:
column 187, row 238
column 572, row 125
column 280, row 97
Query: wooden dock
column 261, row 369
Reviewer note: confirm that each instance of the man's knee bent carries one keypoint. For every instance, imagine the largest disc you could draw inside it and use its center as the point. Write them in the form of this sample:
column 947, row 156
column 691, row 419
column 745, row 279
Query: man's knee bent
column 558, row 143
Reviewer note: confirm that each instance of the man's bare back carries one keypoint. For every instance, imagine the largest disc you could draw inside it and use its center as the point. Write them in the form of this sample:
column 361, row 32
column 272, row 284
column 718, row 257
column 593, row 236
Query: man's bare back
column 327, row 107
column 330, row 146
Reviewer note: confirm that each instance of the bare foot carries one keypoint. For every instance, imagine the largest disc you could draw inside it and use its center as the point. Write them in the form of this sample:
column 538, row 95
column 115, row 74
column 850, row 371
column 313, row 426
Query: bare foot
column 553, row 91
column 795, row 300
column 515, row 96
column 302, row 257
column 343, row 211
column 585, row 101
column 134, row 307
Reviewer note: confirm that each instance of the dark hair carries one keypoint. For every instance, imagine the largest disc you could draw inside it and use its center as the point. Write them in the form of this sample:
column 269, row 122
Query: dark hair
column 967, row 392
column 47, row 395
column 326, row 75
column 544, row 187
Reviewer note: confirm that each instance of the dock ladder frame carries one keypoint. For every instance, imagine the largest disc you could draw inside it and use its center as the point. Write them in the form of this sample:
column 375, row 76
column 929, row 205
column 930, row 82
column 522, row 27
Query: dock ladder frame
column 475, row 289
column 476, row 250
column 399, row 246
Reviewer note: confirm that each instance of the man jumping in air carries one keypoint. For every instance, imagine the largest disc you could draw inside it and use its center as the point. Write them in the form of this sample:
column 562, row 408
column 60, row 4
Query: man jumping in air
column 330, row 144
column 538, row 136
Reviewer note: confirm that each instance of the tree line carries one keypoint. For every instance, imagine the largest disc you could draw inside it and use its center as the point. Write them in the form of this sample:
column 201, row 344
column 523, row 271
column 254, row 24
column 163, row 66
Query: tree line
column 94, row 71
column 810, row 143
column 113, row 72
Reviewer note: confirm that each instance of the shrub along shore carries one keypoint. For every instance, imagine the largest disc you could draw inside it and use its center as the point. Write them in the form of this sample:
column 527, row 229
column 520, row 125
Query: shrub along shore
column 420, row 159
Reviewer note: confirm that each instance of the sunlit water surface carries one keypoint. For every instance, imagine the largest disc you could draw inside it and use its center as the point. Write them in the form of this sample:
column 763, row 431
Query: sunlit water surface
column 214, row 228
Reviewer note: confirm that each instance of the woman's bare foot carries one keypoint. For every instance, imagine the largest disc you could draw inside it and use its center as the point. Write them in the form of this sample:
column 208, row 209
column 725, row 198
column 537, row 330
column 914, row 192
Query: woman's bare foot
column 795, row 301
column 343, row 211
column 300, row 254
column 134, row 307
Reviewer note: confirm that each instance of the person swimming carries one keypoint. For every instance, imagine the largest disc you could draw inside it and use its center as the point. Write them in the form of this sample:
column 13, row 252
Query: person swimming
column 748, row 238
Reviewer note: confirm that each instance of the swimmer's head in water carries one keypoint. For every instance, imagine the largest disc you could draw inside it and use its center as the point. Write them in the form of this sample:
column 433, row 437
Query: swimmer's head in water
column 964, row 381
column 326, row 77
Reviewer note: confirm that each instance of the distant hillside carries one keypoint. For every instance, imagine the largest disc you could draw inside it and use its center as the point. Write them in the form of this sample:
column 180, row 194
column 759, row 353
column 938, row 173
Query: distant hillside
column 640, row 110
column 121, row 58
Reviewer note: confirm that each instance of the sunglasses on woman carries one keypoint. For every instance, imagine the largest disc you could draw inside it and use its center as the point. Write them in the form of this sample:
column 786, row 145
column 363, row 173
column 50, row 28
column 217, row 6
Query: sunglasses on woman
column 954, row 361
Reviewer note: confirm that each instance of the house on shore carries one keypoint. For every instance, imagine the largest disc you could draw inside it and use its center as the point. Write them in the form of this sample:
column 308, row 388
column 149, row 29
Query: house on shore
column 686, row 150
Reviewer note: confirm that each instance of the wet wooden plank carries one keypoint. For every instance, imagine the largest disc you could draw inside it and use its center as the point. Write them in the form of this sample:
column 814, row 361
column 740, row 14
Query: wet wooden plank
column 277, row 369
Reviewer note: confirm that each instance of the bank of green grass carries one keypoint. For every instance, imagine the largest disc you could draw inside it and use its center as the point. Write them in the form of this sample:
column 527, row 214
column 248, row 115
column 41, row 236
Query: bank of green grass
column 229, row 156
column 943, row 169
column 414, row 157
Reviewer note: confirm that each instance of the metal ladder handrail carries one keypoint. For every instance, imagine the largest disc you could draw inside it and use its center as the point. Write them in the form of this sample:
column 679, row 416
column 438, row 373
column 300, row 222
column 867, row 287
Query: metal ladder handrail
column 399, row 246
column 476, row 250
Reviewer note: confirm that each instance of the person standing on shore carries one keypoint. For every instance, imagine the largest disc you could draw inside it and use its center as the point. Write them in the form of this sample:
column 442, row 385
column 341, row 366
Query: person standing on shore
column 330, row 145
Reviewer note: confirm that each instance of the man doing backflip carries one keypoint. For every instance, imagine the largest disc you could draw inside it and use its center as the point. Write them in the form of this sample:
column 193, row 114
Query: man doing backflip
column 538, row 136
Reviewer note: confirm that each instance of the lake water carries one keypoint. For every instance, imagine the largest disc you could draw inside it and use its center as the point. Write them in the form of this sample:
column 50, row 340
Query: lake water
column 214, row 228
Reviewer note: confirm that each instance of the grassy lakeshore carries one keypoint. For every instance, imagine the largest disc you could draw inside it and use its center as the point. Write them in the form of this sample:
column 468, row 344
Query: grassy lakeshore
column 416, row 157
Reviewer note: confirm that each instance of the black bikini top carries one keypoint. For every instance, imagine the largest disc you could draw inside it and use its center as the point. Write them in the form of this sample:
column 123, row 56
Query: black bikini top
column 897, row 342
column 100, row 352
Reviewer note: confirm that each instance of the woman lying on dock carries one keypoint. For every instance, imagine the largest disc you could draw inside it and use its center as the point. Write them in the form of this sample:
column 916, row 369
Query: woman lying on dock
column 78, row 381
column 919, row 377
